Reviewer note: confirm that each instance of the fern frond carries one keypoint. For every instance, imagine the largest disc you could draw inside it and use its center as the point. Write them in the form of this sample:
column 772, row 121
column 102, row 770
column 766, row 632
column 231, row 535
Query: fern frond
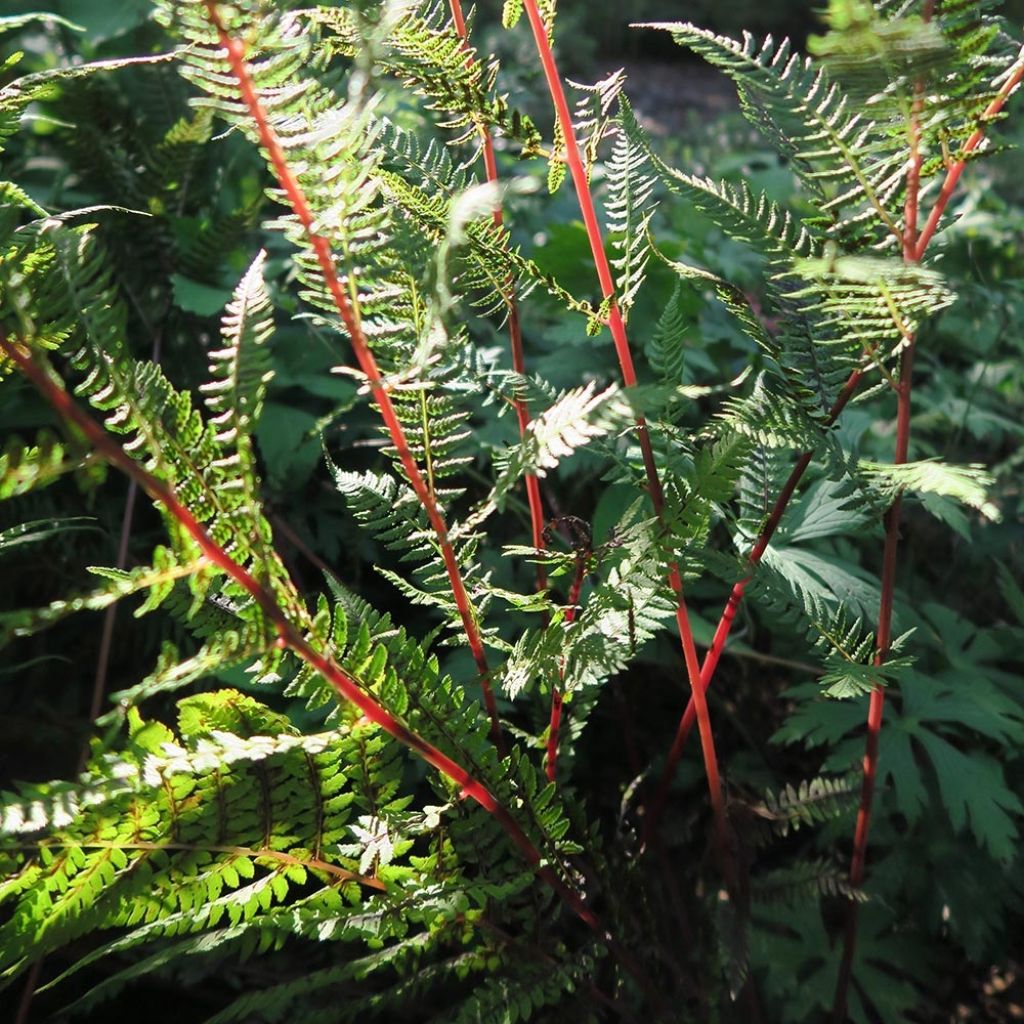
column 171, row 824
column 525, row 989
column 240, row 373
column 425, row 52
column 423, row 183
column 968, row 485
column 573, row 421
column 629, row 208
column 156, row 582
column 511, row 12
column 770, row 420
column 767, row 227
column 666, row 349
column 842, row 158
column 16, row 96
column 591, row 120
column 805, row 882
column 24, row 467
column 812, row 802
column 628, row 606
column 160, row 423
column 696, row 497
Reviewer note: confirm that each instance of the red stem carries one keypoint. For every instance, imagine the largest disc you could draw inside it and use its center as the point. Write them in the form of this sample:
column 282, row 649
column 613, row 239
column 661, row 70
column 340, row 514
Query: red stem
column 514, row 329
column 707, row 672
column 956, row 168
column 916, row 252
column 557, row 701
column 877, row 701
column 622, row 350
column 912, row 246
column 288, row 636
column 235, row 51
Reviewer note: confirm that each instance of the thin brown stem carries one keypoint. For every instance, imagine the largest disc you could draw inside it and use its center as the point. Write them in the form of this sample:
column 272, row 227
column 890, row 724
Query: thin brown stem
column 99, row 687
column 301, row 546
column 28, row 993
column 342, row 296
column 619, row 337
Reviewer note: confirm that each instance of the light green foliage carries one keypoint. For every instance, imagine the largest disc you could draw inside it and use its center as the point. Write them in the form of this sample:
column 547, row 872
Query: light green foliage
column 967, row 485
column 511, row 12
column 178, row 834
column 573, row 421
column 424, row 51
column 24, row 467
column 629, row 208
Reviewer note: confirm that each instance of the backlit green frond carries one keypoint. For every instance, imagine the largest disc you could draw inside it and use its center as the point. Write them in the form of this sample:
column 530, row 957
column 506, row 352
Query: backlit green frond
column 454, row 791
column 841, row 157
column 968, row 485
column 156, row 582
column 424, row 183
column 574, row 420
column 629, row 208
column 25, row 467
column 753, row 218
column 592, row 119
column 424, row 51
column 170, row 824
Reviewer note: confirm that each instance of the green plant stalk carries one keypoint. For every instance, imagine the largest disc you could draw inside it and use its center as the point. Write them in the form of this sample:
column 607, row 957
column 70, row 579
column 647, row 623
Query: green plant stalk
column 288, row 636
column 515, row 331
column 621, row 341
column 235, row 53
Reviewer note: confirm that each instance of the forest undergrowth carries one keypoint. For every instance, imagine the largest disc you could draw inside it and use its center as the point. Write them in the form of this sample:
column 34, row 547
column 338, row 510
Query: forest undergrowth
column 407, row 447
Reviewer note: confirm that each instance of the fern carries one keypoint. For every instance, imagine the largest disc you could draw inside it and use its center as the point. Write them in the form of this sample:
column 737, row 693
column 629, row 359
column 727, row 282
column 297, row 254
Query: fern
column 836, row 151
column 573, row 421
column 629, row 208
column 330, row 776
column 965, row 484
column 815, row 801
column 427, row 54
